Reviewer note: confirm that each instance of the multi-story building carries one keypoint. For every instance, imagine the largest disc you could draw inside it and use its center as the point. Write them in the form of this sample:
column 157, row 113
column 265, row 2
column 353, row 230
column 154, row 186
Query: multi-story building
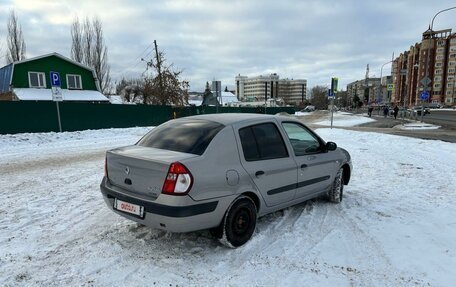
column 449, row 88
column 431, row 62
column 367, row 90
column 270, row 86
column 292, row 91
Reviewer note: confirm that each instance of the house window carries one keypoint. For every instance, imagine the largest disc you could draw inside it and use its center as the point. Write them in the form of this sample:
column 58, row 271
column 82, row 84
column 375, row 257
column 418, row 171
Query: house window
column 74, row 82
column 37, row 80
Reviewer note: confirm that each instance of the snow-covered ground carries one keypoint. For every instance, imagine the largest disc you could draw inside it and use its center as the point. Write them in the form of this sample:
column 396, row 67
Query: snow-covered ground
column 344, row 119
column 395, row 227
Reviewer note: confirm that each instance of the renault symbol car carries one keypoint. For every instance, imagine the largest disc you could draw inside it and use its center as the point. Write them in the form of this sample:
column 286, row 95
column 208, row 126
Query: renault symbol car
column 221, row 172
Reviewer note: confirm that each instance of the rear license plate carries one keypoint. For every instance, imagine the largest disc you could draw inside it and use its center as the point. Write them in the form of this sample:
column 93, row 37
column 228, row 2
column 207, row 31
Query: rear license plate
column 128, row 207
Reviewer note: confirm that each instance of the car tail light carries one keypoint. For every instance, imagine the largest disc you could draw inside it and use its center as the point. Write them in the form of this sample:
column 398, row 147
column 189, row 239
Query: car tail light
column 106, row 166
column 178, row 180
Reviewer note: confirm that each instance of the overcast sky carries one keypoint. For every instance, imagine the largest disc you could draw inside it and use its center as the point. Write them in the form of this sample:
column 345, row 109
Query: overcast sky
column 313, row 40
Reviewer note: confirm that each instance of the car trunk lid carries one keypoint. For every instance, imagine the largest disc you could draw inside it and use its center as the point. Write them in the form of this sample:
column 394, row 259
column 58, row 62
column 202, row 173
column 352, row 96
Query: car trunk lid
column 141, row 170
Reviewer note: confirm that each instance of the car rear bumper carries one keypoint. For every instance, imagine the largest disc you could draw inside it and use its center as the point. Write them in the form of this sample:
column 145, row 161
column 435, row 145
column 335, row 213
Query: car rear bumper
column 182, row 215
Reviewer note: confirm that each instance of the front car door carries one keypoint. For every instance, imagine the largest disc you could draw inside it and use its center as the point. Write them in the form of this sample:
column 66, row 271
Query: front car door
column 315, row 165
column 266, row 159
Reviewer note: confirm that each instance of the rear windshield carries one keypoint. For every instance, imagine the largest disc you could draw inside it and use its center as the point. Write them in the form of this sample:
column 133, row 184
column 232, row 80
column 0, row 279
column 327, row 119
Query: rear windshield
column 190, row 136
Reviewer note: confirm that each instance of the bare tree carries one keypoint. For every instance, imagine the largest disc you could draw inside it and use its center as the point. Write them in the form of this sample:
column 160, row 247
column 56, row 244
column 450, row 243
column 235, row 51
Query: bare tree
column 130, row 90
column 164, row 88
column 100, row 57
column 89, row 48
column 87, row 39
column 15, row 39
column 319, row 97
column 77, row 52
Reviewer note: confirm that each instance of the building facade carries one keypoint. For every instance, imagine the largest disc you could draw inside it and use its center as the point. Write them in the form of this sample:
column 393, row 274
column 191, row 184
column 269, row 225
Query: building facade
column 367, row 90
column 431, row 62
column 30, row 80
column 270, row 87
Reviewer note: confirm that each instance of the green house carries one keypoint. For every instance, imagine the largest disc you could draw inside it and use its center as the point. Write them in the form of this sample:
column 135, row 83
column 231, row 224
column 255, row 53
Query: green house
column 30, row 80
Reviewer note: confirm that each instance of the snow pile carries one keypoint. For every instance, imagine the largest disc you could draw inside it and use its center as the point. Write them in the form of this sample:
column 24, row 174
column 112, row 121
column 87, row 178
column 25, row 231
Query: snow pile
column 303, row 113
column 418, row 126
column 395, row 227
column 344, row 119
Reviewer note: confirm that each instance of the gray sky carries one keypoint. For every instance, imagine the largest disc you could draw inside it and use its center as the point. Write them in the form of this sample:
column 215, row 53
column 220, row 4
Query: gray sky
column 314, row 40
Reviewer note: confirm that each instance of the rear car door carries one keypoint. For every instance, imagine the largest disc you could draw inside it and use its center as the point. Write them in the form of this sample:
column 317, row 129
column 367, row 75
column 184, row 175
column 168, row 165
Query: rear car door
column 266, row 159
column 315, row 165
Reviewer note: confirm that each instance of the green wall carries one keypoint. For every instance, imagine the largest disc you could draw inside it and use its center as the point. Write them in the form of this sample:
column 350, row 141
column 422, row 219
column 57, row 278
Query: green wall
column 22, row 117
column 54, row 64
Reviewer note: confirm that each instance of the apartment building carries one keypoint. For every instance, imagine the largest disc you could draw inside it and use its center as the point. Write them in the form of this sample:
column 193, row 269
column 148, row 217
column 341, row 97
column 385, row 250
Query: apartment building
column 436, row 54
column 367, row 90
column 256, row 88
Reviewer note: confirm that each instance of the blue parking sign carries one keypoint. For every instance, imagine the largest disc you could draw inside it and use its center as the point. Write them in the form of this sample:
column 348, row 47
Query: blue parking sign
column 55, row 79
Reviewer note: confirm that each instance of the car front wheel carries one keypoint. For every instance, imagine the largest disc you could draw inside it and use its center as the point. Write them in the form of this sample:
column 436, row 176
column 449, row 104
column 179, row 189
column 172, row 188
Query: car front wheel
column 239, row 222
column 337, row 189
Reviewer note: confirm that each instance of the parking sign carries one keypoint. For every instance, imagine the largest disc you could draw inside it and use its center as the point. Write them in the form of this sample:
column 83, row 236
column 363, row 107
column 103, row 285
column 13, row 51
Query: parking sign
column 55, row 79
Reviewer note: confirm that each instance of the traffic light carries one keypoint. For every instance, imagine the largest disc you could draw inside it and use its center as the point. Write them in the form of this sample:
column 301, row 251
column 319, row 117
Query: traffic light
column 334, row 82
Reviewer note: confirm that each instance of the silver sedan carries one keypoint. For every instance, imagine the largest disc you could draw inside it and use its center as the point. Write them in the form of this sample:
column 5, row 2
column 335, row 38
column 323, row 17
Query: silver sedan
column 221, row 172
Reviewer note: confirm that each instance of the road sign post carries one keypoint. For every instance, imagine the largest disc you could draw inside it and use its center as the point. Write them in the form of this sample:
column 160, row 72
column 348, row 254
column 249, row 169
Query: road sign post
column 56, row 94
column 332, row 94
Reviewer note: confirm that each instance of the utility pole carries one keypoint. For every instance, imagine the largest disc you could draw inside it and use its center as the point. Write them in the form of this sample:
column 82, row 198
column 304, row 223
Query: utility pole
column 159, row 68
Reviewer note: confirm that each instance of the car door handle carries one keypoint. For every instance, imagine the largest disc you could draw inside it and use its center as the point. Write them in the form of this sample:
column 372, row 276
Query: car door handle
column 312, row 157
column 258, row 173
column 303, row 166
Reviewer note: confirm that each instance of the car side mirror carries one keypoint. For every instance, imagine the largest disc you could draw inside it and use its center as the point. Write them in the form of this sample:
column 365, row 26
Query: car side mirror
column 330, row 146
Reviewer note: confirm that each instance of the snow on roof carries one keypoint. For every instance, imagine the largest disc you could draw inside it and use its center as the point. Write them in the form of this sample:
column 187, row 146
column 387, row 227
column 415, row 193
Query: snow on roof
column 227, row 97
column 30, row 94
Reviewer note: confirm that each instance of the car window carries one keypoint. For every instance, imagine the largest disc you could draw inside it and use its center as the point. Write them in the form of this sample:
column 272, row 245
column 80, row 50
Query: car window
column 262, row 142
column 302, row 140
column 190, row 136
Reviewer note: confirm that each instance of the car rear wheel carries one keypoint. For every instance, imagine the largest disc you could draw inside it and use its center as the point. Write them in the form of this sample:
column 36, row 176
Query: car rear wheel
column 337, row 189
column 239, row 222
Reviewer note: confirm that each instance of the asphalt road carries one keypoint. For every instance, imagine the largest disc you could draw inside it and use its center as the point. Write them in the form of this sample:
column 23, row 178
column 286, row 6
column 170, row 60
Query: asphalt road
column 447, row 132
column 389, row 125
column 445, row 118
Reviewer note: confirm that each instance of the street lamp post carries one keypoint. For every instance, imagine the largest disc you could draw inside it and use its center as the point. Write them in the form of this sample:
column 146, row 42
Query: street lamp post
column 380, row 93
column 425, row 80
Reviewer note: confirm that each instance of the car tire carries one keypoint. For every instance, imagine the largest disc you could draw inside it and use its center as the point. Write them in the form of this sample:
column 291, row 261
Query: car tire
column 337, row 190
column 239, row 223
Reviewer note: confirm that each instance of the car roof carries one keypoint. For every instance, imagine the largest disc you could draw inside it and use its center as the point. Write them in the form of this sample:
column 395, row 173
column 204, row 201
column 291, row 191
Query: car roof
column 233, row 118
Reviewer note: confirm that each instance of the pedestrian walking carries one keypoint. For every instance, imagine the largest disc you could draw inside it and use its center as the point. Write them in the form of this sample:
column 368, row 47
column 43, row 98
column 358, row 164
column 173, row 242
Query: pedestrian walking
column 369, row 111
column 385, row 111
column 396, row 111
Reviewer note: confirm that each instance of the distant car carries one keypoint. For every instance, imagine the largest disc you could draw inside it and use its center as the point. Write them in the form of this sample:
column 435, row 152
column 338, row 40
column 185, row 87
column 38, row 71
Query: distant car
column 221, row 172
column 418, row 110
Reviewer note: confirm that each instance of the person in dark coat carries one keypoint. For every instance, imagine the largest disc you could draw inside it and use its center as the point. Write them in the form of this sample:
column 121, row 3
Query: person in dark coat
column 369, row 111
column 385, row 111
column 396, row 111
